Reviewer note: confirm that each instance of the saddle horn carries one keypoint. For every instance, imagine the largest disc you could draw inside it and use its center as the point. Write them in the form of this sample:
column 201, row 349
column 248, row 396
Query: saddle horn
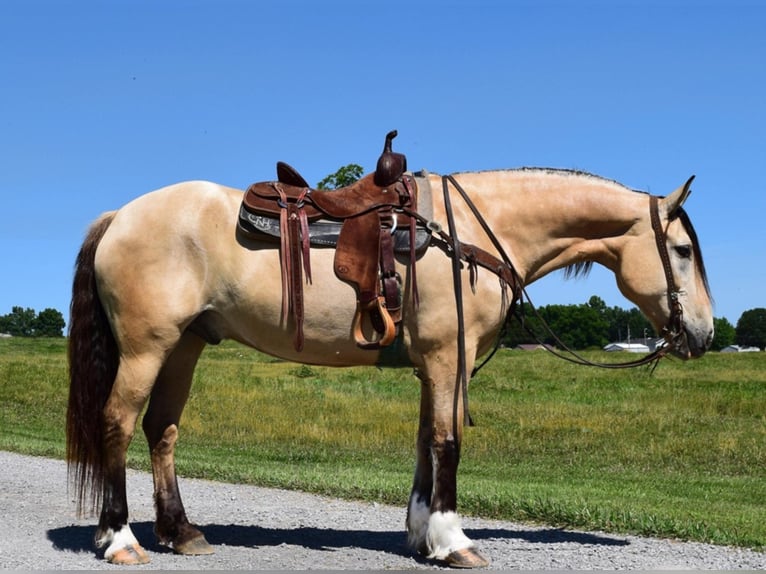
column 391, row 165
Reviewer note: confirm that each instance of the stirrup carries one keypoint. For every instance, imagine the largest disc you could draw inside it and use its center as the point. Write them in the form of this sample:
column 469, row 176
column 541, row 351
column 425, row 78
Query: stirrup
column 389, row 327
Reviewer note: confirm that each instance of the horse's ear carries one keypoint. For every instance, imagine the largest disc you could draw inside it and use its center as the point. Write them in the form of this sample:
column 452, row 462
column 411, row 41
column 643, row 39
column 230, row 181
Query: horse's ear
column 672, row 202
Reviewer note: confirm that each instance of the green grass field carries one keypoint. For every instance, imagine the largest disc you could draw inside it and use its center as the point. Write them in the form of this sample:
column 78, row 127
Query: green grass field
column 677, row 453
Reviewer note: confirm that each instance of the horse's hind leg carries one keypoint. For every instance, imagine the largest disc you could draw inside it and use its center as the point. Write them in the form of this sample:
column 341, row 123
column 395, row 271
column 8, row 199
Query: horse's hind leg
column 160, row 426
column 135, row 376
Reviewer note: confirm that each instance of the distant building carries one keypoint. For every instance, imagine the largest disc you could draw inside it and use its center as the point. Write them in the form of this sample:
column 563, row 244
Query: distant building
column 628, row 347
column 5, row 335
column 740, row 349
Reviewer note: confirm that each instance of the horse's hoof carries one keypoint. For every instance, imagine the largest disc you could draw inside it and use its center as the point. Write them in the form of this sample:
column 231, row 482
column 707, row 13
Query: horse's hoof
column 130, row 556
column 196, row 546
column 466, row 558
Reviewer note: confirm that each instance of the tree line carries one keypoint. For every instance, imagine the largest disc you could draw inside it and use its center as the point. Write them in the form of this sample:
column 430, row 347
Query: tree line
column 22, row 322
column 591, row 325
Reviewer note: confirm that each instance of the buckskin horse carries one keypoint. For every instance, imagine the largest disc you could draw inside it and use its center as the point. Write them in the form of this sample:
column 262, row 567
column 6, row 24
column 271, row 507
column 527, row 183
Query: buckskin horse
column 171, row 271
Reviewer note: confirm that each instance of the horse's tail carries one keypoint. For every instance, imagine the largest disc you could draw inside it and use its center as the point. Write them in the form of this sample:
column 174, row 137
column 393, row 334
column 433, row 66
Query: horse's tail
column 93, row 361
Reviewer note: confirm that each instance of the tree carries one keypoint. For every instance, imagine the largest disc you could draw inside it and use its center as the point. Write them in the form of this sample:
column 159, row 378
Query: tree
column 598, row 304
column 751, row 328
column 346, row 175
column 577, row 326
column 22, row 322
column 49, row 323
column 580, row 326
column 725, row 334
column 516, row 333
column 19, row 322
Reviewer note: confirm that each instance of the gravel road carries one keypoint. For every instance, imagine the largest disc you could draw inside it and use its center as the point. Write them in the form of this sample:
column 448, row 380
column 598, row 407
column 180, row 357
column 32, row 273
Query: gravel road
column 266, row 529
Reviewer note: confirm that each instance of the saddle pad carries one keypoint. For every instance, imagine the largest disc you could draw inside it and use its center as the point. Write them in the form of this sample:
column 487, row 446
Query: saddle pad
column 326, row 232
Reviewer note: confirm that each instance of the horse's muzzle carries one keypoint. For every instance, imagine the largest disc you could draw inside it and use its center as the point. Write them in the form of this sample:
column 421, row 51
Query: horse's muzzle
column 687, row 344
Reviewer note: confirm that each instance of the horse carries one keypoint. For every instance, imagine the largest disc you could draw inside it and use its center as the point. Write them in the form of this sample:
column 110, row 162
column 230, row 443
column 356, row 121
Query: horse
column 169, row 273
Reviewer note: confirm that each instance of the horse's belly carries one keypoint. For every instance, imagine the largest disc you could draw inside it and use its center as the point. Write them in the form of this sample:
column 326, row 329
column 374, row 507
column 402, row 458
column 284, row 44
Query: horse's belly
column 256, row 316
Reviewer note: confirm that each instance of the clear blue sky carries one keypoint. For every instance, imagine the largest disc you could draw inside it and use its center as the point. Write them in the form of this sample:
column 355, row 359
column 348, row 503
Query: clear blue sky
column 104, row 101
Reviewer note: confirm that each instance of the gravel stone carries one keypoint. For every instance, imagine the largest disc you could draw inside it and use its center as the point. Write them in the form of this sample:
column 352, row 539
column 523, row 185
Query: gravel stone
column 255, row 528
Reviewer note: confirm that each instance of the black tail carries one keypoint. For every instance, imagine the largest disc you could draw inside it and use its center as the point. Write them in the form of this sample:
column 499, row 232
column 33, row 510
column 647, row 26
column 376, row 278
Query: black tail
column 93, row 361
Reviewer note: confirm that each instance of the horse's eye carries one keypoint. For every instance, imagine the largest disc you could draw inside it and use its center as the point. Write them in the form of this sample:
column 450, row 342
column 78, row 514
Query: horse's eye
column 684, row 251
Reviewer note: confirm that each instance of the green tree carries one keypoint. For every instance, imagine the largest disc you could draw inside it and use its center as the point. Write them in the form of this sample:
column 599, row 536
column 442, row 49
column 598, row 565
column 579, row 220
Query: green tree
column 577, row 326
column 49, row 323
column 516, row 333
column 598, row 304
column 751, row 328
column 19, row 322
column 580, row 326
column 346, row 175
column 22, row 322
column 725, row 334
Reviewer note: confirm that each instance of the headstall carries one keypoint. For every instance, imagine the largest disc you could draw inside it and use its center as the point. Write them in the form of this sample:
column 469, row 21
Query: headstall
column 673, row 332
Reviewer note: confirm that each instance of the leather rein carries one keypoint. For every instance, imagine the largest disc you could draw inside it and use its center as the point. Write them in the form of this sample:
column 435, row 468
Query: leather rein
column 672, row 332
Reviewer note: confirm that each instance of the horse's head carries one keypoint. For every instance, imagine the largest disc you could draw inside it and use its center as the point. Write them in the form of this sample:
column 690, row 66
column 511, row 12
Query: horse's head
column 661, row 270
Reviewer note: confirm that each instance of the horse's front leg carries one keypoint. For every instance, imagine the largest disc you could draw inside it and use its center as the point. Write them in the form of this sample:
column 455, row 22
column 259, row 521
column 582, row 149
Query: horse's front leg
column 433, row 524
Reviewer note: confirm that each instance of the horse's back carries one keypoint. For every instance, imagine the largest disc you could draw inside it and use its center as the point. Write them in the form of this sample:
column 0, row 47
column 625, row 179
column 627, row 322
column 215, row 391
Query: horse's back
column 173, row 261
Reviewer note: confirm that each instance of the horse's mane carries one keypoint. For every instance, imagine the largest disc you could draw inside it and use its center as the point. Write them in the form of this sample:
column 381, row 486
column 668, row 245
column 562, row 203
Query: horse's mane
column 555, row 171
column 576, row 270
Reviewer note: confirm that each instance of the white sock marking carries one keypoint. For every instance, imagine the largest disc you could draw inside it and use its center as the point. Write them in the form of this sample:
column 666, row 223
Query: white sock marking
column 445, row 535
column 116, row 540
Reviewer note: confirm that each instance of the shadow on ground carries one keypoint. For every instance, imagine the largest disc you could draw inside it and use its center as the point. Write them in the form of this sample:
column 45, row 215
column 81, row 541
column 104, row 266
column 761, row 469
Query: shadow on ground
column 80, row 538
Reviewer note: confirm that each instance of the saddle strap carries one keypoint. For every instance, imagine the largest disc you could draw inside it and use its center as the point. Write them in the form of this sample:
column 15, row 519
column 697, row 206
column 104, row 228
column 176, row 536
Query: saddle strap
column 294, row 249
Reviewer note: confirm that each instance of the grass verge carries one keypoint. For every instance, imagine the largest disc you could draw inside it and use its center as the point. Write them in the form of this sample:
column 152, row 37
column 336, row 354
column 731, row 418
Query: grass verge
column 679, row 453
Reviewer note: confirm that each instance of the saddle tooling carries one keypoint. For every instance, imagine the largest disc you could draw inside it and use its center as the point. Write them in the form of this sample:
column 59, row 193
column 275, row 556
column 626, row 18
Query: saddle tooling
column 365, row 222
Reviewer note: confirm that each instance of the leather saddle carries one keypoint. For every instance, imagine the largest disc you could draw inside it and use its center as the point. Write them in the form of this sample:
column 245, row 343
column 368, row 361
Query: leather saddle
column 366, row 222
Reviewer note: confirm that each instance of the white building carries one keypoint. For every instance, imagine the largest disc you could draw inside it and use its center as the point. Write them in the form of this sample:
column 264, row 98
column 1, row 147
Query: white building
column 740, row 349
column 629, row 347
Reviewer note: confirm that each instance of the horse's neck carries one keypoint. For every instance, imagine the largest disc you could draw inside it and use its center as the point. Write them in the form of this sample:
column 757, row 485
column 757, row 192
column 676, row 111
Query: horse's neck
column 547, row 219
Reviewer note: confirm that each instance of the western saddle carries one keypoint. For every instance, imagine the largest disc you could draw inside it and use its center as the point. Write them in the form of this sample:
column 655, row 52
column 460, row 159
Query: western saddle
column 359, row 220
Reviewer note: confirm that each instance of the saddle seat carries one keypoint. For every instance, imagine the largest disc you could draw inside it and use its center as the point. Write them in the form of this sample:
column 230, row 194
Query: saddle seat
column 368, row 211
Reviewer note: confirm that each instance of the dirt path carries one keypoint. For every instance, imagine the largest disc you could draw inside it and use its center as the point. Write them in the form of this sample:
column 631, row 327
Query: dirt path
column 265, row 529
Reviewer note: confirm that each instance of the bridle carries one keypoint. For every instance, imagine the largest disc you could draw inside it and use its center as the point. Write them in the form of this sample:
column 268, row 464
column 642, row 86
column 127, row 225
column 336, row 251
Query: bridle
column 673, row 332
